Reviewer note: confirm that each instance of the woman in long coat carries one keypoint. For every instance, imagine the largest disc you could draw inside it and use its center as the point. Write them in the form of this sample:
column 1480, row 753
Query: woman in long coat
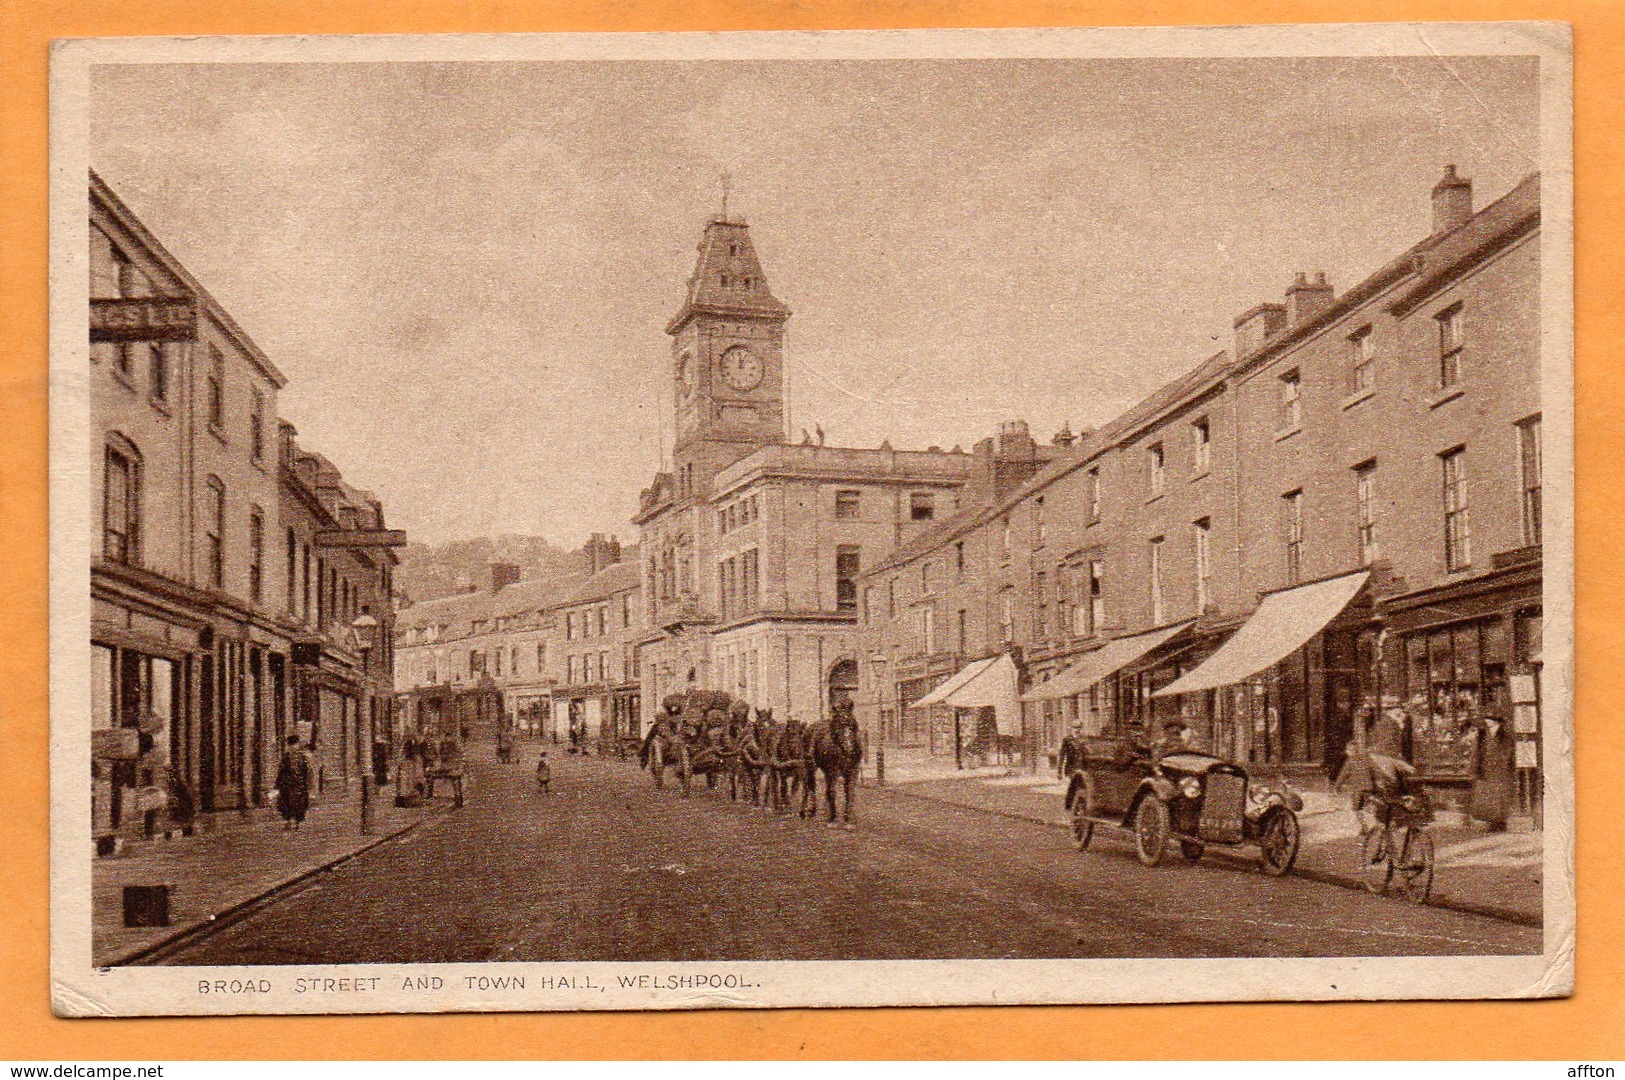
column 1491, row 799
column 293, row 784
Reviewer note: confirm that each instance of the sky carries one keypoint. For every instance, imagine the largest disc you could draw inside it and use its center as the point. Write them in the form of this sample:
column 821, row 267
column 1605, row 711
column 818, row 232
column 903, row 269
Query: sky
column 465, row 269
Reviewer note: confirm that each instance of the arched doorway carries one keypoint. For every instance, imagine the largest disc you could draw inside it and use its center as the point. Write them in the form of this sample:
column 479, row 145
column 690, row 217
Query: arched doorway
column 843, row 683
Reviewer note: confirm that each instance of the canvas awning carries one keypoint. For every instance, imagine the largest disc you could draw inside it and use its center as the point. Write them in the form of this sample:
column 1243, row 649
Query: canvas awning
column 993, row 686
column 1283, row 622
column 1094, row 666
column 954, row 682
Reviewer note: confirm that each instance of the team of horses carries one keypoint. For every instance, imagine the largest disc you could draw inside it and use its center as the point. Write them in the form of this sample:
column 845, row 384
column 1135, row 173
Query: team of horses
column 762, row 761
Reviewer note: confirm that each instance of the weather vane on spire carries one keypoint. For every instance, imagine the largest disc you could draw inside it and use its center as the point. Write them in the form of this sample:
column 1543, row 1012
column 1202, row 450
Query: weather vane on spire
column 727, row 186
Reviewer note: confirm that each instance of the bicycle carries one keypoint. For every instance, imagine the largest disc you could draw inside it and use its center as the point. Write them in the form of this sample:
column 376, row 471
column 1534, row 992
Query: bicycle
column 1398, row 849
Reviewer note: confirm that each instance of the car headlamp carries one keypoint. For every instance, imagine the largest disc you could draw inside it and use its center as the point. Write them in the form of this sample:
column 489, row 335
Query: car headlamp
column 1191, row 786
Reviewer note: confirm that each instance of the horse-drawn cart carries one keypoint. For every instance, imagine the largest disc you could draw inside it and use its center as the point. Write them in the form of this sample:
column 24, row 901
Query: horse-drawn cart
column 691, row 737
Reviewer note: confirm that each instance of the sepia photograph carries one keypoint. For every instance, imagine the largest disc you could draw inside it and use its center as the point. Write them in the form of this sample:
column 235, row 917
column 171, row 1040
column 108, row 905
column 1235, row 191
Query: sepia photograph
column 762, row 520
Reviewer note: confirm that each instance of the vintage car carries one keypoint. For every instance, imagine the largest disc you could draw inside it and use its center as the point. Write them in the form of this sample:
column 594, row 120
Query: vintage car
column 1190, row 798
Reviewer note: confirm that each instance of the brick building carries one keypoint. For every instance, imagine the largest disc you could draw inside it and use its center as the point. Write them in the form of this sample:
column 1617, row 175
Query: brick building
column 1329, row 532
column 198, row 625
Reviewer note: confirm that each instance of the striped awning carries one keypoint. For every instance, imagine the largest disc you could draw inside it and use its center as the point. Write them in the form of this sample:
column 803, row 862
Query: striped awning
column 1106, row 660
column 1284, row 621
column 954, row 682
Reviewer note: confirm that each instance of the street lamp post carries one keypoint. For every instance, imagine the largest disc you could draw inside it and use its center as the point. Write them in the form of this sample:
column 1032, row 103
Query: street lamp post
column 365, row 630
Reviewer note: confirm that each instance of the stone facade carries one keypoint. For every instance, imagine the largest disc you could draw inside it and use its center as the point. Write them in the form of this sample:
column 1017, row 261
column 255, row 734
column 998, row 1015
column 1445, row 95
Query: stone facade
column 752, row 546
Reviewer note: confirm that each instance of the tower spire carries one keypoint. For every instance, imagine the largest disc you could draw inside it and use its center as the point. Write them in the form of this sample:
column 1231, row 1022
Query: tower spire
column 727, row 186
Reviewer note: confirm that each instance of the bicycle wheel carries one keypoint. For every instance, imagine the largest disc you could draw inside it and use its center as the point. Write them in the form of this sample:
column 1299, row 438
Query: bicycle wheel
column 1415, row 866
column 1376, row 867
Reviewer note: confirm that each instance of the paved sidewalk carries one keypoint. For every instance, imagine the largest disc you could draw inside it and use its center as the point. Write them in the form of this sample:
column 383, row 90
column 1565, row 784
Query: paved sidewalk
column 1486, row 873
column 229, row 867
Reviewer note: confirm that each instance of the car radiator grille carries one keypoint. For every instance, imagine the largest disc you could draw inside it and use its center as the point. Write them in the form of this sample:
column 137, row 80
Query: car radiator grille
column 1222, row 808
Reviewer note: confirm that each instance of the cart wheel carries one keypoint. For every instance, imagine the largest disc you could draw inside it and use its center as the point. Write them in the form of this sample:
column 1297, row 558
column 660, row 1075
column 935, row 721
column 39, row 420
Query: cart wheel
column 1151, row 830
column 1375, row 868
column 1192, row 849
column 1414, row 866
column 1278, row 842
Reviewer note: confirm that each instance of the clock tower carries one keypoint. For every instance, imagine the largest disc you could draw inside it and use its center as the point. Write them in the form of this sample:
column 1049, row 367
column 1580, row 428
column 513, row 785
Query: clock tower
column 727, row 356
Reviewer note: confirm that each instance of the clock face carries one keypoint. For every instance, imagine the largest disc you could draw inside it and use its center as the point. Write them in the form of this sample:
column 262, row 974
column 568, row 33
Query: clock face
column 742, row 368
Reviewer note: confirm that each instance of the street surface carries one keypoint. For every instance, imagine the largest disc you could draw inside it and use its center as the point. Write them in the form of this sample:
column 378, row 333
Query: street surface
column 607, row 868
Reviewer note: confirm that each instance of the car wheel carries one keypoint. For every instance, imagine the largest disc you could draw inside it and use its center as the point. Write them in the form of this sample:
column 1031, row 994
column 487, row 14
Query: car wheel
column 1151, row 830
column 1082, row 810
column 1083, row 829
column 1278, row 842
column 1192, row 849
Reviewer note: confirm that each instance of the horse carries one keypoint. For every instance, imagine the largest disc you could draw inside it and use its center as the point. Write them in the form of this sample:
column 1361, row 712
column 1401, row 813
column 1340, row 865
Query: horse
column 662, row 746
column 787, row 764
column 837, row 750
column 748, row 759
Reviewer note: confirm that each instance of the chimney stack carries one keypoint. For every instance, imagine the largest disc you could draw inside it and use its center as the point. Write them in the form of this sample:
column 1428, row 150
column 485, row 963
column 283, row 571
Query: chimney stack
column 1306, row 299
column 1452, row 201
column 602, row 552
column 1257, row 325
column 503, row 574
column 1064, row 438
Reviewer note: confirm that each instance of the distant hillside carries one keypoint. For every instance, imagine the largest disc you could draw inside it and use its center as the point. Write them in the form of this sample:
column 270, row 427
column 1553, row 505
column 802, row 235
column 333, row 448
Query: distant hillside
column 428, row 571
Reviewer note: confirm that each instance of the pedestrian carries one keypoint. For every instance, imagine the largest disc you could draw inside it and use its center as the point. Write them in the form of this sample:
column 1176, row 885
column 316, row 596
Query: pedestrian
column 1491, row 798
column 544, row 773
column 293, row 784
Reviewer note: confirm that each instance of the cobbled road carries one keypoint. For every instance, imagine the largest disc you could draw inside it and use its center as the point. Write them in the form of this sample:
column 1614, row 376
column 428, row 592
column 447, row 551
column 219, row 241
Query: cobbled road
column 607, row 868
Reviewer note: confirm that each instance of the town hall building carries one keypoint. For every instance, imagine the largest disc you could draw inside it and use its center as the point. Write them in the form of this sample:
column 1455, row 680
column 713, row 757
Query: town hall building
column 753, row 546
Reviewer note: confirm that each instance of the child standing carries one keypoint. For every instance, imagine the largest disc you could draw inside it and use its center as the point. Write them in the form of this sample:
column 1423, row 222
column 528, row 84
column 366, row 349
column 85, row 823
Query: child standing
column 544, row 773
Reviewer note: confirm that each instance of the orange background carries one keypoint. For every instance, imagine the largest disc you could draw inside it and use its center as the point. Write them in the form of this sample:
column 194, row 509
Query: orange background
column 1590, row 1025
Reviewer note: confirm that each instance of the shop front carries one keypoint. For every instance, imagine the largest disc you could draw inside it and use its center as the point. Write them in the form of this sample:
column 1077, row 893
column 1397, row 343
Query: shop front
column 1105, row 690
column 1282, row 692
column 1459, row 674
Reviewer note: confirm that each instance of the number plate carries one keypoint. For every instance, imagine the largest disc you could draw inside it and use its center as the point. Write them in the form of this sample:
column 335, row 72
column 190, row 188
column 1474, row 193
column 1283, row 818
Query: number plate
column 1222, row 807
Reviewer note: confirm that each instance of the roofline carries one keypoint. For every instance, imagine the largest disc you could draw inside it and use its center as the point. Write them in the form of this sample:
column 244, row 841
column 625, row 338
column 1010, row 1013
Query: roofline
column 1126, row 427
column 100, row 190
